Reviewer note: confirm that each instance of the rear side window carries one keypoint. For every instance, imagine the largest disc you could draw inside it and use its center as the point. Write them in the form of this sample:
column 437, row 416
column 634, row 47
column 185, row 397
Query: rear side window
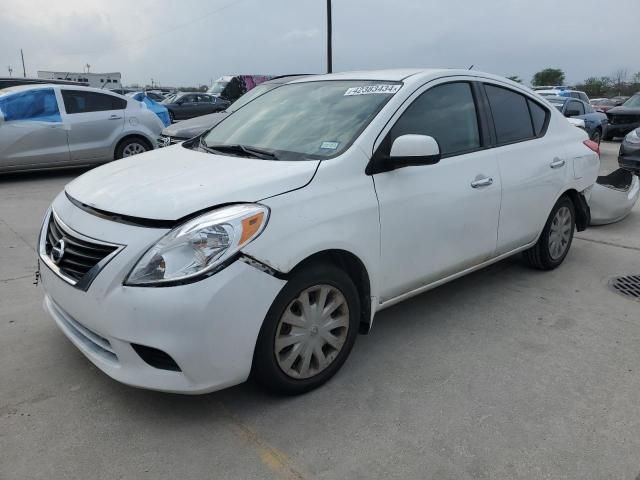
column 538, row 116
column 77, row 101
column 32, row 105
column 510, row 115
column 445, row 112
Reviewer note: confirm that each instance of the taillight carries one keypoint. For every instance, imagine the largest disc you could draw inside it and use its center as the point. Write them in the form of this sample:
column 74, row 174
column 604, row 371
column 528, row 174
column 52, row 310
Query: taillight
column 591, row 145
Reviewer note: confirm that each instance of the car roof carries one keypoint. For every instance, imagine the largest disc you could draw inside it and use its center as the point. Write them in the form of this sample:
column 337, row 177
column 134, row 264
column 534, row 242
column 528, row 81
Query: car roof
column 37, row 86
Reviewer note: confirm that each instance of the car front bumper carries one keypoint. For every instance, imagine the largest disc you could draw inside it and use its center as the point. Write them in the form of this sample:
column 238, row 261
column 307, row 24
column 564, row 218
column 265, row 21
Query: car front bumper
column 209, row 328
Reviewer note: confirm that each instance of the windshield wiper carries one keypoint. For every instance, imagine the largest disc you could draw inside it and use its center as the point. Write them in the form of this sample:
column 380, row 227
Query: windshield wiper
column 241, row 149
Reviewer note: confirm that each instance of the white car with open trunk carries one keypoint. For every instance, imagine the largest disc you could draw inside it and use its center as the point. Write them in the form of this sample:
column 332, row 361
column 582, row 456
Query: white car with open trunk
column 267, row 244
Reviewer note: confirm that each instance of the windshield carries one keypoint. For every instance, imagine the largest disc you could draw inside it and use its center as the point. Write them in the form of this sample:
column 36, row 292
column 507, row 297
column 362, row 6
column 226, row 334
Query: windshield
column 633, row 102
column 250, row 95
column 300, row 121
column 217, row 87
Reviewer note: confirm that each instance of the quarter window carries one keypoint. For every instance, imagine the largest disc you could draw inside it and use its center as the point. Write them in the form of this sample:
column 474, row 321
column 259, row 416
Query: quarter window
column 538, row 116
column 76, row 101
column 445, row 112
column 510, row 115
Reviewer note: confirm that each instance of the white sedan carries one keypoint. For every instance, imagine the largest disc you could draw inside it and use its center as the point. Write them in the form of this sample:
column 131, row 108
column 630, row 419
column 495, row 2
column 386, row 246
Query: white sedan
column 267, row 244
column 53, row 126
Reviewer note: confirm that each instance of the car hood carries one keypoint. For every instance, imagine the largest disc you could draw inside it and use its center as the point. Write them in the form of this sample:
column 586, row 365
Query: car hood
column 624, row 110
column 194, row 126
column 173, row 182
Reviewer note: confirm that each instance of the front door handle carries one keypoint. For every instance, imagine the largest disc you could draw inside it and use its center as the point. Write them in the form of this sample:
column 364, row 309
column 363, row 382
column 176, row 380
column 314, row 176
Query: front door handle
column 557, row 163
column 115, row 117
column 480, row 182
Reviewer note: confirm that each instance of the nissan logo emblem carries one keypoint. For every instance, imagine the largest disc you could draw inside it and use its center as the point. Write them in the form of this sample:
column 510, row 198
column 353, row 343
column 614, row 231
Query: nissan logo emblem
column 57, row 251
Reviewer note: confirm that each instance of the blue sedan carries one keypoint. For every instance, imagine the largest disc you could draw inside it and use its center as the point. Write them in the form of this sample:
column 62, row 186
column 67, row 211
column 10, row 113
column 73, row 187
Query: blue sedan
column 595, row 122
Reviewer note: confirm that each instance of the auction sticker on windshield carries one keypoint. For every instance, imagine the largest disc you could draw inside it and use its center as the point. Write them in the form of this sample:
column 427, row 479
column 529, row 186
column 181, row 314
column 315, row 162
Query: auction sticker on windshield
column 370, row 89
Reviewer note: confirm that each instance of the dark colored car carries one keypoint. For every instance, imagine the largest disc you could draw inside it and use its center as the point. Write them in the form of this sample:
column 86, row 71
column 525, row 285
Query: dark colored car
column 629, row 156
column 232, row 87
column 602, row 104
column 595, row 122
column 624, row 118
column 193, row 104
column 187, row 129
column 156, row 97
column 6, row 82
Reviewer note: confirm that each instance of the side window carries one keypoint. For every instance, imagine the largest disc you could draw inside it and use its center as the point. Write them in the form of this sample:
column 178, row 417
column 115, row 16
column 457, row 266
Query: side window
column 78, row 101
column 510, row 115
column 31, row 105
column 576, row 107
column 189, row 99
column 538, row 116
column 445, row 112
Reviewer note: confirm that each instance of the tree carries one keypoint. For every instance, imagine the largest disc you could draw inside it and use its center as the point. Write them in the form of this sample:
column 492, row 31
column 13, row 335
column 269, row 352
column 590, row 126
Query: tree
column 594, row 87
column 548, row 76
column 515, row 78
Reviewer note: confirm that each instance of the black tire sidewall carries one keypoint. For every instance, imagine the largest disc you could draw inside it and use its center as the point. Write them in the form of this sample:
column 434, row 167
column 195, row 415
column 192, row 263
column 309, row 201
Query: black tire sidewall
column 265, row 367
column 597, row 133
column 120, row 150
column 544, row 237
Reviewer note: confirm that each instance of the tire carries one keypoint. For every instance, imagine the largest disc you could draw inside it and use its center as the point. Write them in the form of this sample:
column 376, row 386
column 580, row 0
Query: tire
column 596, row 136
column 131, row 146
column 559, row 230
column 279, row 359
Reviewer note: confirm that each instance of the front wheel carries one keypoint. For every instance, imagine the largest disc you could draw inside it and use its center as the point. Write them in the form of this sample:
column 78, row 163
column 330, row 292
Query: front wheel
column 308, row 332
column 131, row 146
column 555, row 240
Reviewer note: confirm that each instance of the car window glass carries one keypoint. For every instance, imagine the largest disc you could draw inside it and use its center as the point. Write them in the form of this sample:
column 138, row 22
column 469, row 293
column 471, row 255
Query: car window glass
column 576, row 106
column 77, row 101
column 445, row 112
column 510, row 114
column 538, row 115
column 32, row 105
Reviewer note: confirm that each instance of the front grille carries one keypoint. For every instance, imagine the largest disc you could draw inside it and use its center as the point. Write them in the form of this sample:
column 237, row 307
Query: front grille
column 73, row 256
column 622, row 119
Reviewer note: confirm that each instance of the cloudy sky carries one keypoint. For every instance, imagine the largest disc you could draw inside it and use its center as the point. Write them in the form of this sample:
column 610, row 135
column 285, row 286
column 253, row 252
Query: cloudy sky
column 188, row 42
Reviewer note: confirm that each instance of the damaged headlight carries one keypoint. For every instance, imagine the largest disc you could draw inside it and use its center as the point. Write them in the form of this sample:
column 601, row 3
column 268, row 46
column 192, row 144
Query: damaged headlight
column 633, row 137
column 200, row 245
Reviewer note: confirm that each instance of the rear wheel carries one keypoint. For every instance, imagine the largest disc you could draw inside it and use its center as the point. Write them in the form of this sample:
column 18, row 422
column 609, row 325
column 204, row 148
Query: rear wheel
column 596, row 136
column 131, row 146
column 554, row 242
column 308, row 332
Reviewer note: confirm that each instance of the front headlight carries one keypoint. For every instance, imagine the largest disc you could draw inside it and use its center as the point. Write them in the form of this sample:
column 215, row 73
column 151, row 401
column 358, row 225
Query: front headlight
column 633, row 137
column 200, row 245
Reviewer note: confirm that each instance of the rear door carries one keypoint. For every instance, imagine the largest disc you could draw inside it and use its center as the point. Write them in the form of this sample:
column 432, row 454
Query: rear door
column 32, row 133
column 95, row 122
column 532, row 164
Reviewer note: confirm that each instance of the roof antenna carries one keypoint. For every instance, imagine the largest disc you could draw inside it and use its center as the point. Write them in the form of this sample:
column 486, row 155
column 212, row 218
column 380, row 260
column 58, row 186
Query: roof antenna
column 471, row 67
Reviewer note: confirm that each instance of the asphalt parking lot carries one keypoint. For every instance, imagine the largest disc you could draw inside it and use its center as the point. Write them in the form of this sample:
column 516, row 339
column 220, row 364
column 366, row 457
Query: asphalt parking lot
column 507, row 373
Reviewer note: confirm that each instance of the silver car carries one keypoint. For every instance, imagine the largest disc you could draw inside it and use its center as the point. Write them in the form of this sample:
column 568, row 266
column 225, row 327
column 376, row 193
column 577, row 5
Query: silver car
column 54, row 126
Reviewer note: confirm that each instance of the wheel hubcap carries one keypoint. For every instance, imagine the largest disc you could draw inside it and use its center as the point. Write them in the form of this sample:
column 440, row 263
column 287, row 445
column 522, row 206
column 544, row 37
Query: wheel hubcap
column 560, row 233
column 133, row 149
column 312, row 331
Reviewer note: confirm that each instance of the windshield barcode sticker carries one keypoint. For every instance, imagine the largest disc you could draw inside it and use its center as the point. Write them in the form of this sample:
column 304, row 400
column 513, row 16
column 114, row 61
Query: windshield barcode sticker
column 371, row 89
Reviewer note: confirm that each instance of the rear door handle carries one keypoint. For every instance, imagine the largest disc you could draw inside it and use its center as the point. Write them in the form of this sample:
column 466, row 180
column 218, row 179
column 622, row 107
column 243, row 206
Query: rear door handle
column 480, row 182
column 557, row 163
column 115, row 117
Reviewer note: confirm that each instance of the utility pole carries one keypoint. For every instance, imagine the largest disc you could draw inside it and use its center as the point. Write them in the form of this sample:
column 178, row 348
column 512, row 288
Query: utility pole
column 88, row 67
column 24, row 70
column 329, row 53
column 10, row 70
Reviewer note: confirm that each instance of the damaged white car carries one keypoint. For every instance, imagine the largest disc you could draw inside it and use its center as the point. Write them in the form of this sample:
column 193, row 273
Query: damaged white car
column 267, row 244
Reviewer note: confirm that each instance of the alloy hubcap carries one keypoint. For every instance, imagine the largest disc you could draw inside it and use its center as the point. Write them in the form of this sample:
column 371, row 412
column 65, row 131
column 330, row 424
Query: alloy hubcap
column 560, row 233
column 133, row 149
column 312, row 331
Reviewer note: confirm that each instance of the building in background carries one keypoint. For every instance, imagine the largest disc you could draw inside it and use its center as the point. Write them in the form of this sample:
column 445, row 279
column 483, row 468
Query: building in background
column 108, row 81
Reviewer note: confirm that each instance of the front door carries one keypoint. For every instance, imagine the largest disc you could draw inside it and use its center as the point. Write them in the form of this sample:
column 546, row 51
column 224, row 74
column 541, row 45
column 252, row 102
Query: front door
column 438, row 220
column 32, row 133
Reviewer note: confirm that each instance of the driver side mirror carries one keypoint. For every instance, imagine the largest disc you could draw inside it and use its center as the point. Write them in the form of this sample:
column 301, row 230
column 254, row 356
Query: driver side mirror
column 571, row 113
column 406, row 151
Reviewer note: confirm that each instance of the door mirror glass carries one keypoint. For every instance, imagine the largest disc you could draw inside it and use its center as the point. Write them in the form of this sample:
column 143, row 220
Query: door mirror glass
column 411, row 149
column 571, row 112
